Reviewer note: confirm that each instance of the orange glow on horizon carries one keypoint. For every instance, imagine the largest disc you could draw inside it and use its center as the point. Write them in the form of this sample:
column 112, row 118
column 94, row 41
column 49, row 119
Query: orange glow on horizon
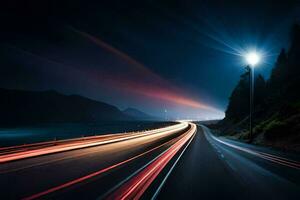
column 157, row 92
column 159, row 88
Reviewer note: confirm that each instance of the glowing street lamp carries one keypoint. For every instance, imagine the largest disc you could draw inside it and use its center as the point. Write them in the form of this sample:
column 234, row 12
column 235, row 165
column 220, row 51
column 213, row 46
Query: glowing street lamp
column 252, row 59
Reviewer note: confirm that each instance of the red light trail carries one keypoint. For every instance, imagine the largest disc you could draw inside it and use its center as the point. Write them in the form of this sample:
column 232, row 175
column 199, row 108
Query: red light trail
column 81, row 179
column 67, row 145
column 135, row 187
column 170, row 152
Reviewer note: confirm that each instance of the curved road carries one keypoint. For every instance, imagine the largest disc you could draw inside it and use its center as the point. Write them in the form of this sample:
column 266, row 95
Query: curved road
column 217, row 168
column 70, row 168
column 182, row 161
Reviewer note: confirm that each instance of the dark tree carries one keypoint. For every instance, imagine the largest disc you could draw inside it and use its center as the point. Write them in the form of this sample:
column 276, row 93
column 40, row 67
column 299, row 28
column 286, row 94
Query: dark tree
column 238, row 106
column 294, row 51
column 279, row 73
column 259, row 90
column 293, row 84
column 285, row 77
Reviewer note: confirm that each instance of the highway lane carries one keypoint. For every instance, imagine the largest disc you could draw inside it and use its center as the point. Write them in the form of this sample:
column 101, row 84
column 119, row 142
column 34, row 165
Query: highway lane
column 8, row 154
column 216, row 168
column 31, row 176
column 135, row 187
column 168, row 164
column 132, row 180
column 284, row 164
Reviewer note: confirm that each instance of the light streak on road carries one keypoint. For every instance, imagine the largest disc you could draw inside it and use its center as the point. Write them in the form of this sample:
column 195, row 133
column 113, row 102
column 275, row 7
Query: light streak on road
column 276, row 159
column 97, row 173
column 173, row 141
column 135, row 187
column 89, row 142
column 170, row 171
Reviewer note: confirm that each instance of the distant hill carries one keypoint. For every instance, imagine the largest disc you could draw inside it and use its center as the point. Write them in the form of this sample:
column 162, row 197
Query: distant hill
column 137, row 114
column 19, row 107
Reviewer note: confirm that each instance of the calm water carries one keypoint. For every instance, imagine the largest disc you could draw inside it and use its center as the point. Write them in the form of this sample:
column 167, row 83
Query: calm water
column 46, row 132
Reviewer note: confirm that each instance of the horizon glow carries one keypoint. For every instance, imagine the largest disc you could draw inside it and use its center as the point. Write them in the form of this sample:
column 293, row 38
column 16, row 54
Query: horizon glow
column 158, row 88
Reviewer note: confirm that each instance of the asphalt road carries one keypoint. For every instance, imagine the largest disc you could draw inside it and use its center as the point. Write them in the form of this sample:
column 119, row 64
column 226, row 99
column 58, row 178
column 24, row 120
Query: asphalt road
column 68, row 174
column 211, row 169
column 177, row 163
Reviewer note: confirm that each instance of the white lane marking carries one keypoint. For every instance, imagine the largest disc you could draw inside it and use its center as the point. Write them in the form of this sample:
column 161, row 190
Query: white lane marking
column 171, row 169
column 266, row 156
column 132, row 175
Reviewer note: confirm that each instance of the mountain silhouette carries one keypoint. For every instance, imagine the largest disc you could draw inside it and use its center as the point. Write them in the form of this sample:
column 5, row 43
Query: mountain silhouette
column 32, row 107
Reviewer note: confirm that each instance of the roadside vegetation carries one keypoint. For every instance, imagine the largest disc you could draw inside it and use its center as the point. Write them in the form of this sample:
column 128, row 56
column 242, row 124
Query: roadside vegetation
column 277, row 103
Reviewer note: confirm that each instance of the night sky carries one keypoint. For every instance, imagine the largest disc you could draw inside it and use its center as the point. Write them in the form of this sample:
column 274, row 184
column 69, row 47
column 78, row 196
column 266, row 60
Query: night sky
column 179, row 59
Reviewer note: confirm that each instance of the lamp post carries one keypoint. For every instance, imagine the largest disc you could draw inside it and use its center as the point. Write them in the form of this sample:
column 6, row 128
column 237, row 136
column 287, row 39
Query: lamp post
column 252, row 59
